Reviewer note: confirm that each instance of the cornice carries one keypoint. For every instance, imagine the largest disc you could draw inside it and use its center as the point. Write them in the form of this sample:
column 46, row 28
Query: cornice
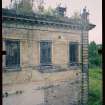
column 41, row 20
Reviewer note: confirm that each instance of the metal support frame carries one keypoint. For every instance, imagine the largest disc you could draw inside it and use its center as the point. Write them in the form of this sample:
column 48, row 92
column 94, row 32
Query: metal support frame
column 84, row 68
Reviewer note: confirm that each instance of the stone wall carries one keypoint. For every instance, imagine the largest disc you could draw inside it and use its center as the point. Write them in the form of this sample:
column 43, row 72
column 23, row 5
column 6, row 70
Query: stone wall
column 29, row 75
column 30, row 44
column 60, row 88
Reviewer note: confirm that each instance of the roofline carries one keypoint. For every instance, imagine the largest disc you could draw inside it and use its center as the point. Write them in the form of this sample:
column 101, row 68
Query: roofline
column 34, row 19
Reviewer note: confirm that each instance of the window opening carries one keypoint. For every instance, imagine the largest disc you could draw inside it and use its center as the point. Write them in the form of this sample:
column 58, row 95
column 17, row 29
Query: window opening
column 13, row 53
column 45, row 53
column 73, row 53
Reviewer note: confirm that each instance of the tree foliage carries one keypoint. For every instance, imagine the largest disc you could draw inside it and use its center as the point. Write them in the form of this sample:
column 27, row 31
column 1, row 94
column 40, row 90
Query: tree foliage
column 24, row 6
column 50, row 11
column 94, row 57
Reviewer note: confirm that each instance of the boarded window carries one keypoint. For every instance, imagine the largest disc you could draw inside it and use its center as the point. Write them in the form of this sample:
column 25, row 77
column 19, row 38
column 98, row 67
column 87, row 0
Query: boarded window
column 45, row 53
column 73, row 53
column 12, row 53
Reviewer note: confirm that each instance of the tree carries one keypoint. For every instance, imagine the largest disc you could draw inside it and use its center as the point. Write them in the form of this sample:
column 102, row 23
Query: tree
column 24, row 6
column 94, row 57
column 50, row 11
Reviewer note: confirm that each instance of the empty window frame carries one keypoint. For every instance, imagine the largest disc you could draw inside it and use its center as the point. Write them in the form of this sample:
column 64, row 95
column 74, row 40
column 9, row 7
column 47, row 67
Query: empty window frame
column 73, row 53
column 12, row 53
column 45, row 52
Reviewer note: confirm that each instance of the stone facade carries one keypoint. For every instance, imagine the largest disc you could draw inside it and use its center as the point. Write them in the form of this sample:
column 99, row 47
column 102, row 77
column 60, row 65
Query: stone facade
column 30, row 59
column 30, row 45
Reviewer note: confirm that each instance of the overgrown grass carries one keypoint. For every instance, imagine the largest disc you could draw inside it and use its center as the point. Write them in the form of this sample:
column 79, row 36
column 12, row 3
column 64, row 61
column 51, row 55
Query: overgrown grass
column 95, row 86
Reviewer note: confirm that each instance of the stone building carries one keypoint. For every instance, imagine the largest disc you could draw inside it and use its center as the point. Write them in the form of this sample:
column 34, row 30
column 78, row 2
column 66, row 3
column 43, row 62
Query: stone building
column 45, row 48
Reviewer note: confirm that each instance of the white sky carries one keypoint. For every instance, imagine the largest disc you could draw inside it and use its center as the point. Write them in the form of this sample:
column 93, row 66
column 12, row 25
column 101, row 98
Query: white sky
column 94, row 7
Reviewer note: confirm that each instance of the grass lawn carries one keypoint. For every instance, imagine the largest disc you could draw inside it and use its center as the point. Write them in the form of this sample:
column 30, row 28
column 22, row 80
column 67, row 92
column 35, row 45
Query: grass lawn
column 95, row 86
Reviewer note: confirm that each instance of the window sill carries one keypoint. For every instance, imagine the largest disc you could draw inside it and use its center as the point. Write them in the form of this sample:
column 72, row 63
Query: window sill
column 74, row 65
column 51, row 68
column 11, row 69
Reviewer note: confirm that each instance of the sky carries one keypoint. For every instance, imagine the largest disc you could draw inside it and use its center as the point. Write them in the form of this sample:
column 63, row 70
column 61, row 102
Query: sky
column 94, row 7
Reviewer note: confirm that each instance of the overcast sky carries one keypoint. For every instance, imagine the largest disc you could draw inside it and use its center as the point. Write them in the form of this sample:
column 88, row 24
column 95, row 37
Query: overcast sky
column 94, row 7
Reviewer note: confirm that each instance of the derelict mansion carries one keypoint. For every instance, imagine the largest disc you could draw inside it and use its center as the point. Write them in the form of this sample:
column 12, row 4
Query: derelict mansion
column 40, row 41
column 36, row 43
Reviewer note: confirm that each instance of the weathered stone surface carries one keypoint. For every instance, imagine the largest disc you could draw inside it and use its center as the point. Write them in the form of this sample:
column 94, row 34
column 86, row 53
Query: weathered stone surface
column 60, row 88
column 66, row 93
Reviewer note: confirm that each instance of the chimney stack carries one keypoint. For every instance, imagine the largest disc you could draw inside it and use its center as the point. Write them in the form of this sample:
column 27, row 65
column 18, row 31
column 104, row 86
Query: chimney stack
column 60, row 10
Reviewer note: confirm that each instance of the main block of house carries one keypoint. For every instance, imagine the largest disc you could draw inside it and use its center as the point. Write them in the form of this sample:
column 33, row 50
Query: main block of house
column 46, row 61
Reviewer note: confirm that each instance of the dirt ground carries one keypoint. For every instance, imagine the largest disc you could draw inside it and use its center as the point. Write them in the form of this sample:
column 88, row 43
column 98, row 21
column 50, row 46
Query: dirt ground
column 31, row 95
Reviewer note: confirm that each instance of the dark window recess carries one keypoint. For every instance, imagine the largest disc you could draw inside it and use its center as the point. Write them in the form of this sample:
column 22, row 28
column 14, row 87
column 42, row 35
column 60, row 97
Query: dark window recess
column 12, row 54
column 3, row 52
column 45, row 53
column 73, row 52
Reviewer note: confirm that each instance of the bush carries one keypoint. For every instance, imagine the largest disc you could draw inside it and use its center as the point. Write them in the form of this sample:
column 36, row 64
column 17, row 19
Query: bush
column 95, row 87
